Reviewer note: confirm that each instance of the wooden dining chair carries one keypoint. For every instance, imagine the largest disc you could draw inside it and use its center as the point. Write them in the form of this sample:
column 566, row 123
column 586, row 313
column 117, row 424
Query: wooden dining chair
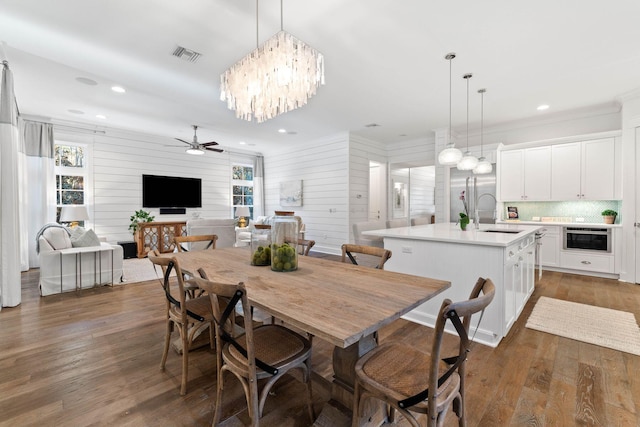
column 305, row 245
column 192, row 243
column 264, row 353
column 349, row 251
column 410, row 381
column 191, row 316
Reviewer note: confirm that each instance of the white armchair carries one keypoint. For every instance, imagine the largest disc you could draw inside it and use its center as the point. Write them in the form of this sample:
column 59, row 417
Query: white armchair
column 85, row 262
column 225, row 229
column 243, row 235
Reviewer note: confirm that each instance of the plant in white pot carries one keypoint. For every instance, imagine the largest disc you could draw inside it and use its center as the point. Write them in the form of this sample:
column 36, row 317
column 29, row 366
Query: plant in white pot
column 609, row 216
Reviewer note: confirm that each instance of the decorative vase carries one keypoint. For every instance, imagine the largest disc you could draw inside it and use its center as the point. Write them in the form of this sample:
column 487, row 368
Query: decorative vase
column 284, row 243
column 261, row 245
column 464, row 221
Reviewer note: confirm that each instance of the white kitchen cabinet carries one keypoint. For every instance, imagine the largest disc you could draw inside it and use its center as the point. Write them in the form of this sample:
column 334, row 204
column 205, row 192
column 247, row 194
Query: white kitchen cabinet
column 525, row 174
column 519, row 278
column 584, row 170
column 550, row 245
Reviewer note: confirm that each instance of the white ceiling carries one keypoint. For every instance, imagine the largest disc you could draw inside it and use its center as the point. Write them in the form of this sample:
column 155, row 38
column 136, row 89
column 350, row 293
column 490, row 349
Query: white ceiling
column 384, row 62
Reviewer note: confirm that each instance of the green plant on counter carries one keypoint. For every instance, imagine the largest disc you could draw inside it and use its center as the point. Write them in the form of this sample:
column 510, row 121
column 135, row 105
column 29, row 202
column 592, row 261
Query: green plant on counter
column 139, row 216
column 464, row 220
column 609, row 212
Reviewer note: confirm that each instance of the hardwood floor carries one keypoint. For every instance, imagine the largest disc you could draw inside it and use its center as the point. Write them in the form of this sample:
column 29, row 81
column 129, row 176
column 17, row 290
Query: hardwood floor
column 92, row 358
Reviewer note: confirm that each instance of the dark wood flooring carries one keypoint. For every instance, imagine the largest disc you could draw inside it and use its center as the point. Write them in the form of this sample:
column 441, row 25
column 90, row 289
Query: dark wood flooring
column 92, row 358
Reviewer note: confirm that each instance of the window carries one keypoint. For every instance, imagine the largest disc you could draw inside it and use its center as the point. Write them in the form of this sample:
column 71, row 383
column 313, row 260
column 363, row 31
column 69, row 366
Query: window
column 242, row 187
column 71, row 176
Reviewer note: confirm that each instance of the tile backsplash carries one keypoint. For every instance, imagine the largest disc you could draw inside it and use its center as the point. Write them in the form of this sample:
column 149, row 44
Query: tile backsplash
column 589, row 210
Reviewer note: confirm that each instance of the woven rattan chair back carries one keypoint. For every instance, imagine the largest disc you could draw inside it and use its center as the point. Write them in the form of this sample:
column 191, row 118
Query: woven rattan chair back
column 195, row 243
column 191, row 316
column 350, row 251
column 261, row 354
column 410, row 381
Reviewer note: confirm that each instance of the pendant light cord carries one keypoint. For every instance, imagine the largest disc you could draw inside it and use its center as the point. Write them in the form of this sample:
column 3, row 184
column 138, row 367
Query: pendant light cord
column 257, row 24
column 482, row 122
column 281, row 17
column 467, row 77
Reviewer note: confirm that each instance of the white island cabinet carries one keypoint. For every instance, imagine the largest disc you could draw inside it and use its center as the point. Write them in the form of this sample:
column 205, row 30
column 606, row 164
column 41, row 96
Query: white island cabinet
column 503, row 253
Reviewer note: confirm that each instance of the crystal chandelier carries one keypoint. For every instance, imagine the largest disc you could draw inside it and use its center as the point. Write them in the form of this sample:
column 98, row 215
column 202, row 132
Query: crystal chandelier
column 483, row 166
column 279, row 76
column 450, row 155
column 468, row 161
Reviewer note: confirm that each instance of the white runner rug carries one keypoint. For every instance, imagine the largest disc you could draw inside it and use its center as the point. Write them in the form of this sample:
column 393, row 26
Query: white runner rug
column 595, row 325
column 139, row 270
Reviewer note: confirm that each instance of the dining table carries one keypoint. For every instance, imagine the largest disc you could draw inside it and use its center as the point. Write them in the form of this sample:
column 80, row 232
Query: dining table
column 341, row 303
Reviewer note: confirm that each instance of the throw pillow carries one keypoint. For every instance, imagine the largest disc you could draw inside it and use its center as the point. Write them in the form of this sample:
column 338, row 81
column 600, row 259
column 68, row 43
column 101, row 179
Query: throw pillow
column 57, row 238
column 85, row 239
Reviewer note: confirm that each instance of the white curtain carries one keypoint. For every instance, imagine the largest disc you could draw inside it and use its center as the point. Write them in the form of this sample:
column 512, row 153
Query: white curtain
column 10, row 286
column 258, row 186
column 37, row 179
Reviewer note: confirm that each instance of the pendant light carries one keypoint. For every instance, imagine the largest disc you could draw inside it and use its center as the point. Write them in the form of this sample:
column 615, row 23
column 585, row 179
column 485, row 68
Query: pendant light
column 450, row 155
column 468, row 162
column 484, row 166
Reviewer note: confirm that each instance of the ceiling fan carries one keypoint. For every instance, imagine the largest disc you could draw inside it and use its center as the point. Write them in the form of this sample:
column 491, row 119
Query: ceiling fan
column 198, row 148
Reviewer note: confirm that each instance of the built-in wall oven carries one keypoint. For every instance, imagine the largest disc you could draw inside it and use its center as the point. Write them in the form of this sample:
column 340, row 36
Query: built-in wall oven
column 587, row 239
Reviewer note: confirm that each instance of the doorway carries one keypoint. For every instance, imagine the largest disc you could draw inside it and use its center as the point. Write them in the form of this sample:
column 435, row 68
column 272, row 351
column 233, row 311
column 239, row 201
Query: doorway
column 377, row 191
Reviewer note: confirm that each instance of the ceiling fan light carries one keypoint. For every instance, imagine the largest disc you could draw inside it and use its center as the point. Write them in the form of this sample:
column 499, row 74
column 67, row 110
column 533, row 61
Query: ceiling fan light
column 449, row 156
column 483, row 166
column 468, row 162
column 195, row 151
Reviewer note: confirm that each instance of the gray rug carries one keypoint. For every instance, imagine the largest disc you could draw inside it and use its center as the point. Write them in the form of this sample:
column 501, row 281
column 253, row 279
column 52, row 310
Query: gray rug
column 139, row 270
column 594, row 325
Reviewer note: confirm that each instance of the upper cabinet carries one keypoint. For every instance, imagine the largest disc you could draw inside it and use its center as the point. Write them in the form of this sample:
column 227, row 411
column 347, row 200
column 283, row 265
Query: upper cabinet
column 587, row 169
column 584, row 170
column 525, row 174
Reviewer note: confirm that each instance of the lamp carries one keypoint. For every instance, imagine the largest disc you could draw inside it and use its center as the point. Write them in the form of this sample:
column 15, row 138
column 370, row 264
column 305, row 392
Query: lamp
column 279, row 76
column 450, row 155
column 195, row 151
column 241, row 213
column 483, row 166
column 468, row 162
column 73, row 213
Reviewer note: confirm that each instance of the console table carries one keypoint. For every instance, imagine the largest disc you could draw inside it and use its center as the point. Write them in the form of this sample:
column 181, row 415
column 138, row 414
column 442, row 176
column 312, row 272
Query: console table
column 158, row 236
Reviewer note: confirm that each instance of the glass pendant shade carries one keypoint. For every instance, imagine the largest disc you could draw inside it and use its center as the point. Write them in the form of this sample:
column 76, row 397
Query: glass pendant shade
column 468, row 162
column 483, row 166
column 449, row 156
column 195, row 151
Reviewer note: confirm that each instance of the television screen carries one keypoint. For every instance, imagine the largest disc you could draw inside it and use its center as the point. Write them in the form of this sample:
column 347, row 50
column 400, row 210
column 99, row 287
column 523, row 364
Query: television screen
column 171, row 192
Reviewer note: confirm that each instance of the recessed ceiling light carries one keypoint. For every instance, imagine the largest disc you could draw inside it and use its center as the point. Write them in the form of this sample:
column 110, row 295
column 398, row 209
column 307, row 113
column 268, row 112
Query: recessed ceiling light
column 543, row 107
column 282, row 131
column 242, row 143
column 118, row 89
column 86, row 81
column 76, row 111
column 101, row 116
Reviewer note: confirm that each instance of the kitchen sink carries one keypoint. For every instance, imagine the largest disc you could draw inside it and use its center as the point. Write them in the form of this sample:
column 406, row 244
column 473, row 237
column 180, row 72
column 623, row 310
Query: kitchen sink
column 502, row 231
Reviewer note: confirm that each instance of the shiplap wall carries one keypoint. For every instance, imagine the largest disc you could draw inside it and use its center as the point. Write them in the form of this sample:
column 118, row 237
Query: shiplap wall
column 118, row 161
column 323, row 167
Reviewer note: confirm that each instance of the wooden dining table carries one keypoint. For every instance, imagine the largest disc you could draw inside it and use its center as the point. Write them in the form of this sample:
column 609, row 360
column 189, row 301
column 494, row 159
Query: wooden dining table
column 341, row 303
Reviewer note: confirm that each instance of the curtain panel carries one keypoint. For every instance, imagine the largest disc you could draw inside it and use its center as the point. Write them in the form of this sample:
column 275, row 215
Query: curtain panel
column 37, row 179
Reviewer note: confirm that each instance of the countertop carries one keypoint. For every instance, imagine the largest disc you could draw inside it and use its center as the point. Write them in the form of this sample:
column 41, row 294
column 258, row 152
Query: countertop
column 450, row 232
column 559, row 223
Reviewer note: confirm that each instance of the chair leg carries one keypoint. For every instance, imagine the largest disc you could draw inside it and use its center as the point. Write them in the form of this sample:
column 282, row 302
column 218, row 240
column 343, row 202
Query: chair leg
column 307, row 377
column 458, row 408
column 185, row 358
column 218, row 408
column 167, row 343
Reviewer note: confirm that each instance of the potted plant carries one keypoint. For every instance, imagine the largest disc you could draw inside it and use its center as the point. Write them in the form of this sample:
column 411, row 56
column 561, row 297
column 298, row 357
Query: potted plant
column 139, row 216
column 609, row 216
column 464, row 220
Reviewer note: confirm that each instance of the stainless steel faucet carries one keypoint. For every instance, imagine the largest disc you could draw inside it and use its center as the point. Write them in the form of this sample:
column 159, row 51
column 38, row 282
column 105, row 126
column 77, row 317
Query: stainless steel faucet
column 476, row 213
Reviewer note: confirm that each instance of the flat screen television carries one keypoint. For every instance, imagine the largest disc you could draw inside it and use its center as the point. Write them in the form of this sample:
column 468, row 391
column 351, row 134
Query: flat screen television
column 171, row 192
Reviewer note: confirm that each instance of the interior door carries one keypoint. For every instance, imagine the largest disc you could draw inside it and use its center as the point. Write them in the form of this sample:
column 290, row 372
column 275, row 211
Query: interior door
column 636, row 222
column 375, row 178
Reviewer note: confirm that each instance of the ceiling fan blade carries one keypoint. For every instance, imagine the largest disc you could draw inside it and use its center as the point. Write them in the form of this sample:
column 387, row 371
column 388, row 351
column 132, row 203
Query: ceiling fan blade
column 218, row 150
column 186, row 142
column 206, row 144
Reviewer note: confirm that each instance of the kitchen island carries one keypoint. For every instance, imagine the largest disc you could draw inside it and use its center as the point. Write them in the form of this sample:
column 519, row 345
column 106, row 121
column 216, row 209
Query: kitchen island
column 505, row 253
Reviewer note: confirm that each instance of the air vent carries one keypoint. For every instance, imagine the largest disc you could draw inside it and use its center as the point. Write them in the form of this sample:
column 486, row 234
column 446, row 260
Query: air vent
column 186, row 54
column 372, row 125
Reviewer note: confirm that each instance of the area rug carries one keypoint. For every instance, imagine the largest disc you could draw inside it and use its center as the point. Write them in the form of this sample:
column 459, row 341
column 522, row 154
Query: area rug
column 138, row 270
column 594, row 325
